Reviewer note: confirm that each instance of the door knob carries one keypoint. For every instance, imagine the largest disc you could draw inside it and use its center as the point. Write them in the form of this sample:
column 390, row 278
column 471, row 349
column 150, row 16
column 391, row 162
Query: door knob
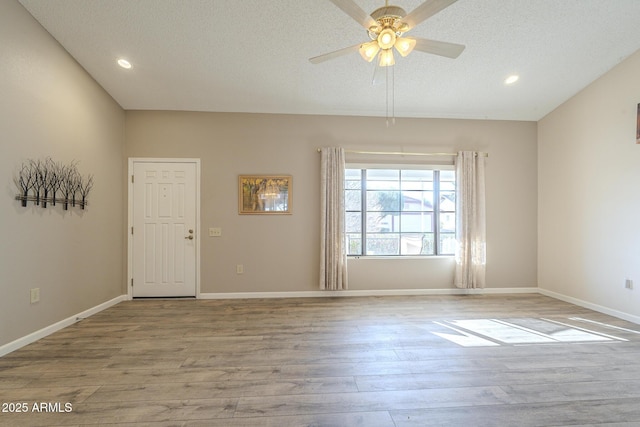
column 190, row 237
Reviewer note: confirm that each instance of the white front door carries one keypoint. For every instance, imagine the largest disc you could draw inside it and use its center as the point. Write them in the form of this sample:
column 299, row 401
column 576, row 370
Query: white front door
column 164, row 233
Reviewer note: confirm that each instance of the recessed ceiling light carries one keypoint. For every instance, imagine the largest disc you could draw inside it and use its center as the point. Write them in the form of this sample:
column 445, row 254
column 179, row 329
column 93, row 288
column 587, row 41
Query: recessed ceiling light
column 124, row 64
column 511, row 79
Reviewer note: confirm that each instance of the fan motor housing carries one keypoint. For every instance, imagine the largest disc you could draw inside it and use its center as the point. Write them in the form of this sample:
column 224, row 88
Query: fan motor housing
column 388, row 17
column 394, row 12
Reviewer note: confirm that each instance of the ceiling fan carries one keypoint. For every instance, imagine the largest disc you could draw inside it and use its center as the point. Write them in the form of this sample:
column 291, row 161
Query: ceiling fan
column 386, row 27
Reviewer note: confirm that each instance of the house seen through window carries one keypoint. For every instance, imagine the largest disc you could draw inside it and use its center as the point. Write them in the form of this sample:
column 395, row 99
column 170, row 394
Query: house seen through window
column 399, row 212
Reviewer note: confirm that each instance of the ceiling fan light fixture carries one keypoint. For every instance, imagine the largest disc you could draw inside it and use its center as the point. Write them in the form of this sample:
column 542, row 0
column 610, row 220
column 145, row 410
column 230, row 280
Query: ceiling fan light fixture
column 386, row 38
column 403, row 27
column 368, row 51
column 404, row 45
column 386, row 58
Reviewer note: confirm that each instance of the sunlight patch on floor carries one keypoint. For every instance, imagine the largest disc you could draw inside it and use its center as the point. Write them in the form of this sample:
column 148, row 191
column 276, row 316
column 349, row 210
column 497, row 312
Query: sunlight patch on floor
column 495, row 332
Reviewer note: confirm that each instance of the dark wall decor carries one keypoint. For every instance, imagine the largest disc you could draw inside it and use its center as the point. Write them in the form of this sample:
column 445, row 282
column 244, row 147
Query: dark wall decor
column 638, row 127
column 45, row 181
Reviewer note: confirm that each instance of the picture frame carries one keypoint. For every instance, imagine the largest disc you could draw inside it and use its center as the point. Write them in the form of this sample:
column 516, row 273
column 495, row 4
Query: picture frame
column 265, row 194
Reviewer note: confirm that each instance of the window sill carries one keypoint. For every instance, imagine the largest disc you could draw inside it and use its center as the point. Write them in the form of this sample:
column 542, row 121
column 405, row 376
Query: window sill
column 424, row 257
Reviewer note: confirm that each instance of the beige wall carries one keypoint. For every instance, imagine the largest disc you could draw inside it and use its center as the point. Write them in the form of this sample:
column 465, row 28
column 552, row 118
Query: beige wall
column 50, row 107
column 589, row 188
column 280, row 254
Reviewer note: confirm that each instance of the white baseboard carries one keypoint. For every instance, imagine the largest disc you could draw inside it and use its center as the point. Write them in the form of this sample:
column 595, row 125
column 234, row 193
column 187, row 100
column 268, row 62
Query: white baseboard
column 35, row 336
column 365, row 293
column 595, row 307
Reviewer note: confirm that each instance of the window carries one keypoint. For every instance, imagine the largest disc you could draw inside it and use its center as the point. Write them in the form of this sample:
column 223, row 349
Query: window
column 400, row 212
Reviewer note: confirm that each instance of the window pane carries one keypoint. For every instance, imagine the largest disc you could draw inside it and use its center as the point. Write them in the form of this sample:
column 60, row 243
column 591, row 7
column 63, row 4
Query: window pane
column 447, row 201
column 383, row 185
column 448, row 222
column 447, row 243
column 417, row 201
column 417, row 179
column 418, row 222
column 417, row 185
column 354, row 174
column 383, row 200
column 352, row 200
column 416, row 244
column 447, row 186
column 354, row 244
column 353, row 222
column 383, row 179
column 355, row 185
column 448, row 181
column 379, row 222
column 383, row 174
column 428, row 247
column 383, row 244
column 417, row 175
column 447, row 175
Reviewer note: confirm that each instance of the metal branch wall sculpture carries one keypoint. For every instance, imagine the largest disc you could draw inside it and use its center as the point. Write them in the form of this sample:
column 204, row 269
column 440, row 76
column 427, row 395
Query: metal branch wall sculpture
column 42, row 181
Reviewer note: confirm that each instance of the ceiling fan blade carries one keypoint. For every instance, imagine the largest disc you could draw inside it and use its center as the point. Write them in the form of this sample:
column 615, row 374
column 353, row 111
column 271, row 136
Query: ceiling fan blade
column 426, row 10
column 335, row 54
column 353, row 10
column 450, row 50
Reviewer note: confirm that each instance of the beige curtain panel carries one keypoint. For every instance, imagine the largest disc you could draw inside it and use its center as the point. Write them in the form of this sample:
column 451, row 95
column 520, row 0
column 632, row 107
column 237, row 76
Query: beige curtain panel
column 333, row 257
column 470, row 221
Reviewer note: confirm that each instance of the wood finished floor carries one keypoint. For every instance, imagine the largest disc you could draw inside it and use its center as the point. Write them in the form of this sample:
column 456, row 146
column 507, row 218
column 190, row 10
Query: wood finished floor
column 365, row 361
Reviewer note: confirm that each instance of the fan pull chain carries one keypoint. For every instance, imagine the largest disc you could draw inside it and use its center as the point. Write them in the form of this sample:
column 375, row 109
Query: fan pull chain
column 391, row 95
column 386, row 73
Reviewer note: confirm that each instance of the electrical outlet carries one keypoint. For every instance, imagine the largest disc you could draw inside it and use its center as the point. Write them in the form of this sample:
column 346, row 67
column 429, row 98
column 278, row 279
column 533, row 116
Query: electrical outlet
column 628, row 284
column 239, row 269
column 35, row 295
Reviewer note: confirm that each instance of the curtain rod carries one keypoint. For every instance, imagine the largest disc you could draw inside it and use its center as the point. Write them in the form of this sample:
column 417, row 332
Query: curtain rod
column 400, row 153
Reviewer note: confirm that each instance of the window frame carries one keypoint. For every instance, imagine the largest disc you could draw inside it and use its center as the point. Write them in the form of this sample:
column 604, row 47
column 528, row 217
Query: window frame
column 437, row 210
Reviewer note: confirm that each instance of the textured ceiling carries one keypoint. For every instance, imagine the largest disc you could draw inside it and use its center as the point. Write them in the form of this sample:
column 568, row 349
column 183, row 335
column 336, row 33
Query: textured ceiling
column 252, row 55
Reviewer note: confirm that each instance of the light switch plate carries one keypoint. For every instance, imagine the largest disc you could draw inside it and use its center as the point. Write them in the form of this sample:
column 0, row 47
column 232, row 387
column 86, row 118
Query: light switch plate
column 35, row 295
column 215, row 232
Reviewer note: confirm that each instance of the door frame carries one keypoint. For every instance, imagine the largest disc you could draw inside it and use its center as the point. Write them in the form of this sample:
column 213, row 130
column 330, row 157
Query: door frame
column 132, row 161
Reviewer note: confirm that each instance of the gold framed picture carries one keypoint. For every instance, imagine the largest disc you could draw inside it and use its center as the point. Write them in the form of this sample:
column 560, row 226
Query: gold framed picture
column 265, row 194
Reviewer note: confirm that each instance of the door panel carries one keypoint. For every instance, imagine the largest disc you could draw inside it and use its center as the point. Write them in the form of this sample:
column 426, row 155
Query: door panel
column 164, row 229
